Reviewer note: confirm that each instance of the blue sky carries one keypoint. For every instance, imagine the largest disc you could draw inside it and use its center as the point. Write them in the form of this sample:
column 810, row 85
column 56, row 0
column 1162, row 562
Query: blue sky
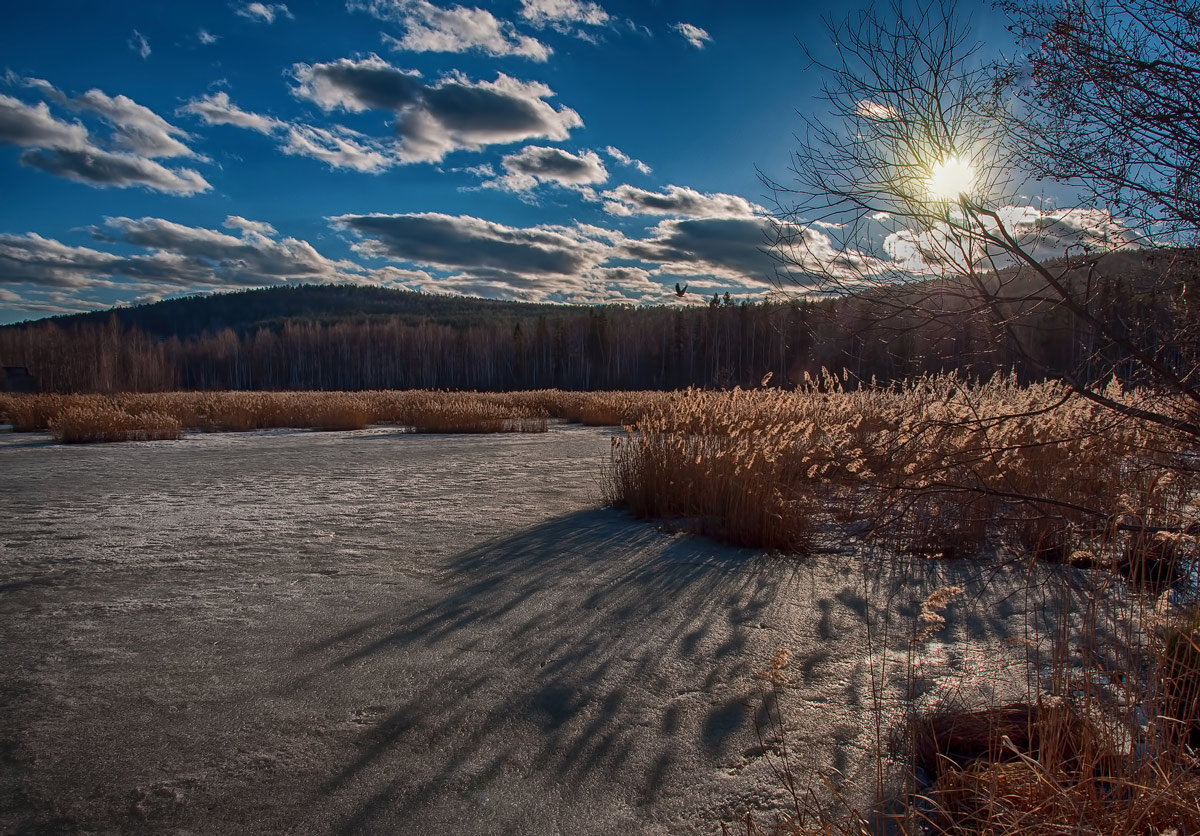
column 544, row 150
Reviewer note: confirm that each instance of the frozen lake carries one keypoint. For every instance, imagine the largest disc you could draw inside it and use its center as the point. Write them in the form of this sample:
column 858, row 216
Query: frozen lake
column 378, row 632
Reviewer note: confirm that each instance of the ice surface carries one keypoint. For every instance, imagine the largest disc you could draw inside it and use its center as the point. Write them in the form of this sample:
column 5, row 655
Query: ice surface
column 379, row 632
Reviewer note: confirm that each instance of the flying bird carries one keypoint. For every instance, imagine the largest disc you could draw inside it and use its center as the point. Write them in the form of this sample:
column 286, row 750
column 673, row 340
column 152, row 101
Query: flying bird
column 679, row 291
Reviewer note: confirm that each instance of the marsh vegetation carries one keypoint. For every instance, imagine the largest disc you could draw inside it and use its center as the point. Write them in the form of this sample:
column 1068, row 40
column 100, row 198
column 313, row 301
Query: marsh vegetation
column 938, row 469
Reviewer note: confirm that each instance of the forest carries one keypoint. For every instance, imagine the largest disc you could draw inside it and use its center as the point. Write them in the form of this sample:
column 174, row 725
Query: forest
column 327, row 337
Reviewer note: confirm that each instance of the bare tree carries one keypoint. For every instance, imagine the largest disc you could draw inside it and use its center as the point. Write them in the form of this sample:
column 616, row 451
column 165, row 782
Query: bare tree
column 908, row 190
column 1107, row 95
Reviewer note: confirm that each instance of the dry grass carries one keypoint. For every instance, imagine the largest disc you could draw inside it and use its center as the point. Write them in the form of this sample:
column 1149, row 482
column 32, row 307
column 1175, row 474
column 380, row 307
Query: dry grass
column 726, row 463
column 938, row 466
column 424, row 411
column 87, row 423
column 30, row 413
column 604, row 409
column 942, row 468
column 1121, row 759
column 1059, row 763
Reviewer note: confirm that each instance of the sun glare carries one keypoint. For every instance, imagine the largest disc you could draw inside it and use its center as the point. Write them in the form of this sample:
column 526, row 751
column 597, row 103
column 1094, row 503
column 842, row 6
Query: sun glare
column 950, row 178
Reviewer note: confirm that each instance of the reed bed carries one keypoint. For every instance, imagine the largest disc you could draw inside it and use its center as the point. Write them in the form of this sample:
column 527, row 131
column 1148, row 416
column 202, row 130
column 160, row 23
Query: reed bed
column 424, row 411
column 87, row 423
column 944, row 468
column 1105, row 749
column 31, row 413
column 937, row 466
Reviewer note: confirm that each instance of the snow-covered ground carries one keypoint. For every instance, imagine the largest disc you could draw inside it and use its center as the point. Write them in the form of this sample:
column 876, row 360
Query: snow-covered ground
column 378, row 632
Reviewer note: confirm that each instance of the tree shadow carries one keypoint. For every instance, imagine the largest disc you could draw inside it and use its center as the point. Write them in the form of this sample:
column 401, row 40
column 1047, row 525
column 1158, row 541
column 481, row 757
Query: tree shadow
column 596, row 655
column 587, row 645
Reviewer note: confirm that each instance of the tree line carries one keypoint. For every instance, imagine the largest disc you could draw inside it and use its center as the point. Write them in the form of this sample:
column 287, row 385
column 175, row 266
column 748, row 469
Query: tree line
column 718, row 345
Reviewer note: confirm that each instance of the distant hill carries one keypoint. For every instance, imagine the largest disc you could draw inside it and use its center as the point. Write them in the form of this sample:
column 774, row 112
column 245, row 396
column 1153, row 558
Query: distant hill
column 1138, row 305
column 248, row 310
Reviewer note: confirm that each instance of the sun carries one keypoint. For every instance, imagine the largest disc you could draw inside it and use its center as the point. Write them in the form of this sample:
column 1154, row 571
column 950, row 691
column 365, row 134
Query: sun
column 950, row 178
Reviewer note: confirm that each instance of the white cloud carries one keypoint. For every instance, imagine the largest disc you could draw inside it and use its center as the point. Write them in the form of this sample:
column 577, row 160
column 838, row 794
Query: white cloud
column 397, row 277
column 261, row 228
column 217, row 109
column 338, row 146
column 876, row 111
column 205, row 37
column 694, row 35
column 254, row 257
column 66, row 149
column 813, row 253
column 45, row 302
column 357, row 85
column 624, row 159
column 32, row 259
column 677, row 200
column 434, row 252
column 473, row 256
column 569, row 263
column 430, row 28
column 463, row 241
column 535, row 164
column 481, row 170
column 168, row 258
column 565, row 16
column 139, row 44
column 99, row 168
column 135, row 127
column 35, row 127
column 432, row 120
column 733, row 248
column 264, row 12
column 1044, row 233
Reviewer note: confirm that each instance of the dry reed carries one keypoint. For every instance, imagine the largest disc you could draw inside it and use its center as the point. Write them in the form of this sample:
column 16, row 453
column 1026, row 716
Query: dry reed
column 940, row 467
column 935, row 467
column 423, row 411
column 103, row 422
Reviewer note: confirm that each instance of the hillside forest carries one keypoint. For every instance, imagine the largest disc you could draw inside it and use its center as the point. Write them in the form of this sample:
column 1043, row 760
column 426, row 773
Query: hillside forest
column 329, row 337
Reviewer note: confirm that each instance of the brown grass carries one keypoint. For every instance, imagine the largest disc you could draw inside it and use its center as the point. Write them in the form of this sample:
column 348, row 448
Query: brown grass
column 101, row 422
column 30, row 413
column 722, row 462
column 423, row 411
column 1040, row 768
column 1122, row 760
column 938, row 466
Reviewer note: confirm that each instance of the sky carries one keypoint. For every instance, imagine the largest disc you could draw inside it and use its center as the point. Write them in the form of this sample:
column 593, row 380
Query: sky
column 538, row 150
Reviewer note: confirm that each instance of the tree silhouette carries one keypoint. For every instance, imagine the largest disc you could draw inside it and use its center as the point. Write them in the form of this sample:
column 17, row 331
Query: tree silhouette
column 907, row 193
